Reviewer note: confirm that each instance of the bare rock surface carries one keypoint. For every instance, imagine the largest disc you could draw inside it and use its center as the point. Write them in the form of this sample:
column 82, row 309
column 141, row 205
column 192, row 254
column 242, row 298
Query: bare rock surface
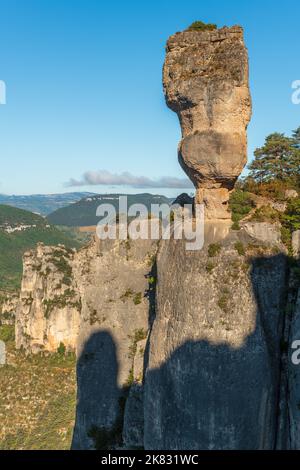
column 213, row 376
column 263, row 232
column 48, row 312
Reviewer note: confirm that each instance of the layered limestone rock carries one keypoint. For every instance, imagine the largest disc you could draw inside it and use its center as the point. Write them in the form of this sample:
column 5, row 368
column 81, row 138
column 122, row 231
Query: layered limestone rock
column 205, row 81
column 213, row 376
column 48, row 312
column 114, row 282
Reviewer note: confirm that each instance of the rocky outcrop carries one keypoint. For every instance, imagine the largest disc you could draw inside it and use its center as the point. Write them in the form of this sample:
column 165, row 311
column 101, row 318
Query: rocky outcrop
column 97, row 301
column 48, row 312
column 213, row 377
column 114, row 282
column 205, row 81
column 177, row 377
column 264, row 232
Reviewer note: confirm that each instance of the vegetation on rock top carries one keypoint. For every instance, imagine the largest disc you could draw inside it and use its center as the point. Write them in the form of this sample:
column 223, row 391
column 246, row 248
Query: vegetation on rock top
column 200, row 26
column 273, row 172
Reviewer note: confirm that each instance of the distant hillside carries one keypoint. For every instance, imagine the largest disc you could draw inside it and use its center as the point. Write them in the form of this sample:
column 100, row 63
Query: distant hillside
column 83, row 213
column 20, row 231
column 42, row 203
column 11, row 216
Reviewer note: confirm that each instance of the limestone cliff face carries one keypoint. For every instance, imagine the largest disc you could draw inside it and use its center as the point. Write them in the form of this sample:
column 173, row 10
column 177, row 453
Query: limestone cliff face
column 205, row 81
column 113, row 282
column 97, row 301
column 213, row 376
column 209, row 368
column 49, row 308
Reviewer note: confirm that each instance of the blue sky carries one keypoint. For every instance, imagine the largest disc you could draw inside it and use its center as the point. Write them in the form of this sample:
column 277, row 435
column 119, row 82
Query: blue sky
column 84, row 88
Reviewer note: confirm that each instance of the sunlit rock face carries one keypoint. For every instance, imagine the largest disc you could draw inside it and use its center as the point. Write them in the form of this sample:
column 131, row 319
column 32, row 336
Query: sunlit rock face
column 48, row 311
column 205, row 80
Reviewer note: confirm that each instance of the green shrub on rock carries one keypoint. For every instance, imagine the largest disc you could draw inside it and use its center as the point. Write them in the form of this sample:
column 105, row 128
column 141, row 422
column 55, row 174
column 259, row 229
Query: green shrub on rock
column 200, row 26
column 240, row 204
column 214, row 249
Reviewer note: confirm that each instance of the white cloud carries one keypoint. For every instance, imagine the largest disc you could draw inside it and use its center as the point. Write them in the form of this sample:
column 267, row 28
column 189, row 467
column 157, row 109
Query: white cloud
column 103, row 177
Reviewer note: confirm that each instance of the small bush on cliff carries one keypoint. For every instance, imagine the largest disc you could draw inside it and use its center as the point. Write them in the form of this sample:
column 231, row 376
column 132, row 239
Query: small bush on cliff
column 200, row 26
column 272, row 189
column 240, row 203
column 240, row 248
column 214, row 249
column 61, row 350
column 7, row 333
column 290, row 222
column 137, row 299
column 224, row 301
column 137, row 336
column 291, row 218
column 210, row 267
column 266, row 214
column 127, row 295
column 61, row 301
column 63, row 266
column 135, row 296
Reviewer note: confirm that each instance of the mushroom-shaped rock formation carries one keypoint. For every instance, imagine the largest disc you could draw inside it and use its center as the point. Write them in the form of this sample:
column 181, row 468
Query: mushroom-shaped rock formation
column 205, row 80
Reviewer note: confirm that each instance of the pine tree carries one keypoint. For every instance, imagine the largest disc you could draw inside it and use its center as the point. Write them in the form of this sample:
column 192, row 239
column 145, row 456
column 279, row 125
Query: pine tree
column 278, row 159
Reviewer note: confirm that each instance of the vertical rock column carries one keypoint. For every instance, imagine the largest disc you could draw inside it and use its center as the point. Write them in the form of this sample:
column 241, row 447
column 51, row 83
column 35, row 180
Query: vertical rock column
column 205, row 81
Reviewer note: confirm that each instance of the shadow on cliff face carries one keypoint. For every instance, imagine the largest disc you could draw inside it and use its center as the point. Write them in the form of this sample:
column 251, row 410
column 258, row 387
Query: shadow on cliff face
column 99, row 399
column 205, row 395
column 100, row 411
column 215, row 396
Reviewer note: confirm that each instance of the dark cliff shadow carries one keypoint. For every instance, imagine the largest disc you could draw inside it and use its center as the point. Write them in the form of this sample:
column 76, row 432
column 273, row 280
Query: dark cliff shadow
column 99, row 399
